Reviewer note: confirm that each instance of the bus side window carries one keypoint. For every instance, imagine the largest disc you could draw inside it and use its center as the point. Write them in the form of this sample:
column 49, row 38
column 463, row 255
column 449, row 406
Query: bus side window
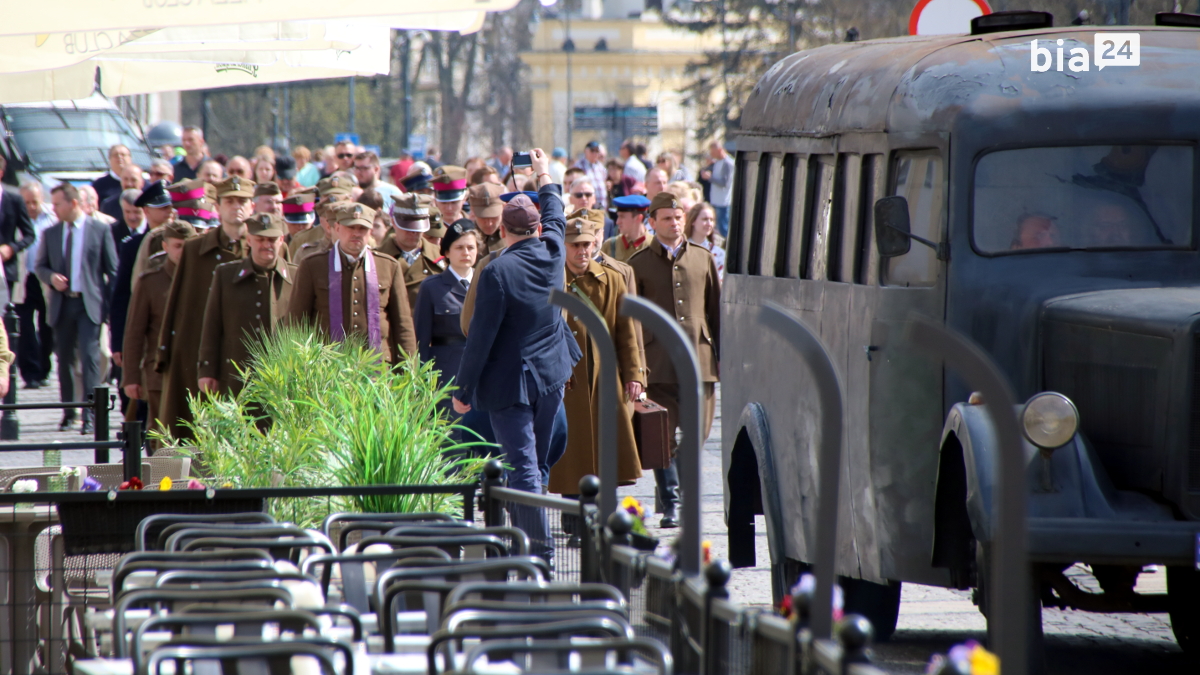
column 746, row 174
column 825, row 212
column 920, row 179
column 791, row 216
column 848, row 251
column 766, row 230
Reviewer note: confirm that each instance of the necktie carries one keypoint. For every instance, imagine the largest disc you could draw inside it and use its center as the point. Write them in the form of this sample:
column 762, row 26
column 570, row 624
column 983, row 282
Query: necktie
column 465, row 284
column 70, row 251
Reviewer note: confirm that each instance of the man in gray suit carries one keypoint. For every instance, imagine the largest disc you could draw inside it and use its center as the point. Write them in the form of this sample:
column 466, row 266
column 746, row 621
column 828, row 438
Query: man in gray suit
column 76, row 259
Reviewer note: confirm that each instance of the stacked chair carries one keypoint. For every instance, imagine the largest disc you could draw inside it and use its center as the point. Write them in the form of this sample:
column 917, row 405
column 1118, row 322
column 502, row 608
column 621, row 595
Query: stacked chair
column 241, row 594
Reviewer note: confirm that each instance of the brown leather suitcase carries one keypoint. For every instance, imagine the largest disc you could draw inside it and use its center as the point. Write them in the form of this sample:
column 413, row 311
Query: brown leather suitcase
column 653, row 433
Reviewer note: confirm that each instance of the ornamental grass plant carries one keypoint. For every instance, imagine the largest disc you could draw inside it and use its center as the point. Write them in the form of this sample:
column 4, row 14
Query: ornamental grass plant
column 317, row 414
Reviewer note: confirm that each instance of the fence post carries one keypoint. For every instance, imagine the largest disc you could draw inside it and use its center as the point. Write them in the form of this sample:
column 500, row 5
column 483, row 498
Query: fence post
column 100, row 423
column 620, row 524
column 717, row 574
column 10, row 427
column 589, row 487
column 829, row 458
column 493, row 510
column 687, row 372
column 609, row 390
column 132, row 432
column 856, row 635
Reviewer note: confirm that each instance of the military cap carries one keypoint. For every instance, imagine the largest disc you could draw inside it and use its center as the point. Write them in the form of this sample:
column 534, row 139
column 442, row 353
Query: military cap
column 268, row 188
column 285, row 167
column 632, row 203
column 335, row 185
column 411, row 212
column 449, row 183
column 199, row 212
column 354, row 214
column 417, row 182
column 300, row 208
column 190, row 190
column 533, row 197
column 265, row 225
column 520, row 216
column 235, row 186
column 664, row 200
column 579, row 230
column 437, row 227
column 155, row 195
column 484, row 200
column 178, row 228
column 455, row 232
column 594, row 215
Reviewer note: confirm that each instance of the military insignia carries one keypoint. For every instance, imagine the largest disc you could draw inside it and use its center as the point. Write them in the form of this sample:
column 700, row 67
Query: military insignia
column 358, row 210
column 236, row 183
column 242, row 273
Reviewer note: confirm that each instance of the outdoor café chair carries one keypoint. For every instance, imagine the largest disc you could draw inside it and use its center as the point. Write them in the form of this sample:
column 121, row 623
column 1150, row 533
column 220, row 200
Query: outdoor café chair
column 150, row 527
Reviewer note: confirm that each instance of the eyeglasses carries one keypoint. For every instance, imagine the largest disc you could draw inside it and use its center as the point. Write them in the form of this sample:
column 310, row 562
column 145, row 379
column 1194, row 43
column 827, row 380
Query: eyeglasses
column 581, row 195
column 345, row 155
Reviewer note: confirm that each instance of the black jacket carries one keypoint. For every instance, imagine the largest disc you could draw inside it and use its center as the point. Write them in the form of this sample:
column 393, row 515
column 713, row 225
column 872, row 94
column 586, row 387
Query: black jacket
column 16, row 228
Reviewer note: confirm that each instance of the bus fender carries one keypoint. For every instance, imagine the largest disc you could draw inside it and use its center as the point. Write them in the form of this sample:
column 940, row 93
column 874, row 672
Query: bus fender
column 752, row 464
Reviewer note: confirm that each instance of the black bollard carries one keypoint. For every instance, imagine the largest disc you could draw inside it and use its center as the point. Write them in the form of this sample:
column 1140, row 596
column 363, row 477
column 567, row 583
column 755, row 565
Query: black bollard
column 100, row 403
column 589, row 487
column 493, row 509
column 10, row 428
column 856, row 635
column 132, row 435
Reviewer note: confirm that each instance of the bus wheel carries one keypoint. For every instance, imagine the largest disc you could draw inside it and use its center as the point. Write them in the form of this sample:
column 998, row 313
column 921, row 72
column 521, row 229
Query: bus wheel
column 880, row 603
column 1183, row 594
column 1034, row 637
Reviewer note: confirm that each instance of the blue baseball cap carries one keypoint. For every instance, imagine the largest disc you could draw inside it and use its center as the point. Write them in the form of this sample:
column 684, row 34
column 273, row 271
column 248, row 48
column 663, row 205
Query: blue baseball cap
column 631, row 203
column 533, row 197
column 559, row 152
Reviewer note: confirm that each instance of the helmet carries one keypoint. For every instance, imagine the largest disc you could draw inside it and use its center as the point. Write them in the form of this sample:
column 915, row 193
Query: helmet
column 164, row 133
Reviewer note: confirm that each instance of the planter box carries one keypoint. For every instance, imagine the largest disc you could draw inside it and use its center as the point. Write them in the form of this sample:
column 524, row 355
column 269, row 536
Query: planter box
column 643, row 543
column 109, row 527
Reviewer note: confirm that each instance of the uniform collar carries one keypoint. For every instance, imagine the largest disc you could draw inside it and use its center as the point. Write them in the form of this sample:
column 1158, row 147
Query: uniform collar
column 470, row 274
column 214, row 238
column 337, row 259
column 593, row 270
column 661, row 248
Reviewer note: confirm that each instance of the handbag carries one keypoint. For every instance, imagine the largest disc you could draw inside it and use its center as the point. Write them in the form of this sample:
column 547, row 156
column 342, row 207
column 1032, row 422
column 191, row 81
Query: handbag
column 652, row 430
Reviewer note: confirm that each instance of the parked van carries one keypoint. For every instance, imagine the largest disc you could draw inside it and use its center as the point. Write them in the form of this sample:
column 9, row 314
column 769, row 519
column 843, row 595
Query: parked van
column 58, row 141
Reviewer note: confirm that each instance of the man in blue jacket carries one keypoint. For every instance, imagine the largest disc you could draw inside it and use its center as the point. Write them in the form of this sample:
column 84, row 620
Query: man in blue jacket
column 519, row 352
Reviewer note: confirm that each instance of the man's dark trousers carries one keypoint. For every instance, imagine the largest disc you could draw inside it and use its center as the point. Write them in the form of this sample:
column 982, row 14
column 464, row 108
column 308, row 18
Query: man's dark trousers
column 524, row 429
column 36, row 343
column 76, row 333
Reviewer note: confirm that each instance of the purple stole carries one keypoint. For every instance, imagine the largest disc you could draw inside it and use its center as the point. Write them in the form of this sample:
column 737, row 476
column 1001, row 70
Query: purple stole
column 336, row 329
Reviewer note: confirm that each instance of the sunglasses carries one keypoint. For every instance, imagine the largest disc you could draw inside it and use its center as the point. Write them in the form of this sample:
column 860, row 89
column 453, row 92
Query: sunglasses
column 345, row 155
column 581, row 195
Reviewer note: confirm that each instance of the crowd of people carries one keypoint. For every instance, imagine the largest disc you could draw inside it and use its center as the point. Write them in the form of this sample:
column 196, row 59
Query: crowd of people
column 154, row 277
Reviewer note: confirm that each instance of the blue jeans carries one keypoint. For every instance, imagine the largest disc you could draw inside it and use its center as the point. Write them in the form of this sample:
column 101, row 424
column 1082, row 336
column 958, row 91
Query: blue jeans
column 480, row 422
column 524, row 433
column 722, row 221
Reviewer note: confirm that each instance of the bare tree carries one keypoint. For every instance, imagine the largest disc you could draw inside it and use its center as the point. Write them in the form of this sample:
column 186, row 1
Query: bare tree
column 455, row 57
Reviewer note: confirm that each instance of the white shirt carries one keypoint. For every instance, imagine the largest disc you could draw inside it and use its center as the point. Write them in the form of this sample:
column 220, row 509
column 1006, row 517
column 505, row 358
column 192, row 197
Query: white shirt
column 77, row 242
column 672, row 252
column 470, row 274
column 635, row 168
column 337, row 260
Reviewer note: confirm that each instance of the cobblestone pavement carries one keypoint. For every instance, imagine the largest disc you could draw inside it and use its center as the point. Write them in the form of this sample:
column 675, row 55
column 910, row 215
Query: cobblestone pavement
column 934, row 619
column 37, row 426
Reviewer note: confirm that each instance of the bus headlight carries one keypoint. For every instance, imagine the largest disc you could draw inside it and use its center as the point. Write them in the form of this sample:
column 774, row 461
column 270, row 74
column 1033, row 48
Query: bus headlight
column 1050, row 420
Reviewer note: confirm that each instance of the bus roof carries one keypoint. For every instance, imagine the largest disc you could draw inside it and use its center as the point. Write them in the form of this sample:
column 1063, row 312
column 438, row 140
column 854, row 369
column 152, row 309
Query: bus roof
column 923, row 84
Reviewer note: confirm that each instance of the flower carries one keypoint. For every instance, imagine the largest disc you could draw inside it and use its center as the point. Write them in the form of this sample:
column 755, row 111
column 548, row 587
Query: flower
column 25, row 485
column 134, row 483
column 165, row 483
column 68, row 471
column 807, row 585
column 634, row 507
column 706, row 548
column 90, row 485
column 194, row 484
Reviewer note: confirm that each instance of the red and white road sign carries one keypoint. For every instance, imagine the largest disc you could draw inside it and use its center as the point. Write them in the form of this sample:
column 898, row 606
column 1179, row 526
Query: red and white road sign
column 945, row 17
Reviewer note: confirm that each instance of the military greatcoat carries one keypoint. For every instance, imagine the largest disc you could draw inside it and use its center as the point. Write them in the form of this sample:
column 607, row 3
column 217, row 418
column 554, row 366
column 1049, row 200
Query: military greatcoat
column 179, row 342
column 428, row 264
column 244, row 302
column 603, row 287
column 310, row 300
column 142, row 327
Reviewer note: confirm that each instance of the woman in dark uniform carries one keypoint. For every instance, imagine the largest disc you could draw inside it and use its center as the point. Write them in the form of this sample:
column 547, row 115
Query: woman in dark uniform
column 439, row 306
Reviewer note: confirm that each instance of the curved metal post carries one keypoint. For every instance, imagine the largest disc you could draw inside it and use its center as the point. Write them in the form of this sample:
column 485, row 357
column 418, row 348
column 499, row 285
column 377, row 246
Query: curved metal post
column 607, row 441
column 829, row 459
column 687, row 374
column 1010, row 568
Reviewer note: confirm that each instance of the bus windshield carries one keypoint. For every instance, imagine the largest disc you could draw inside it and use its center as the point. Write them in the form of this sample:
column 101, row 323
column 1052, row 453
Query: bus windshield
column 65, row 139
column 1083, row 198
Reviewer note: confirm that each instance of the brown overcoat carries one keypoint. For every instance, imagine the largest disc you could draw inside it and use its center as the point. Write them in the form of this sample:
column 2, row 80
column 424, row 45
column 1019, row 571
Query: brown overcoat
column 316, row 233
column 242, row 303
column 310, row 300
column 603, row 287
column 688, row 289
column 428, row 264
column 145, row 260
column 143, row 325
column 179, row 342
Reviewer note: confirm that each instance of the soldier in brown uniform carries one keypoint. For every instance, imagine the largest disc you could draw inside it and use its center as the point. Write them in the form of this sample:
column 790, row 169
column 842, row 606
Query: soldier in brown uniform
column 603, row 287
column 336, row 188
column 681, row 278
column 631, row 223
column 179, row 344
column 247, row 297
column 486, row 208
column 410, row 219
column 299, row 212
column 144, row 321
column 372, row 300
column 268, row 198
